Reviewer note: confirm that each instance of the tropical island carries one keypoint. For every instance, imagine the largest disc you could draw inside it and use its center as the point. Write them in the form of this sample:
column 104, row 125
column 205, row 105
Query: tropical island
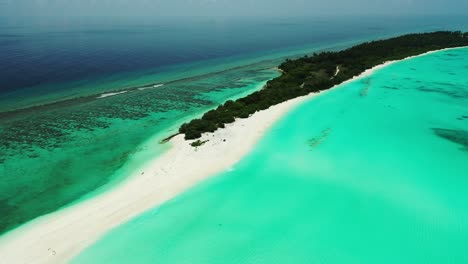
column 67, row 234
column 322, row 71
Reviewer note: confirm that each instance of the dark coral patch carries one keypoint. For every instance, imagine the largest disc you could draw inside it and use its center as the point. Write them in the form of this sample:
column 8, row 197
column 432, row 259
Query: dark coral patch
column 456, row 136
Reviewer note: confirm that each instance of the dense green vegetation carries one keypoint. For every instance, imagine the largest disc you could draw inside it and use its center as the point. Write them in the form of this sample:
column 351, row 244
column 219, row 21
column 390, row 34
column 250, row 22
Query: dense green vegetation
column 198, row 143
column 316, row 73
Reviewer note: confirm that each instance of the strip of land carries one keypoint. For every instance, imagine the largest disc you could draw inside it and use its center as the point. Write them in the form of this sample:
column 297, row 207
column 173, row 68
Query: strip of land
column 58, row 237
column 321, row 72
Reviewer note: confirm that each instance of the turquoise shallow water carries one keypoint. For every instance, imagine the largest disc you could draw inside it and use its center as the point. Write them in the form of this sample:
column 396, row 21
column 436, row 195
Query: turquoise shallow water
column 59, row 143
column 372, row 172
column 60, row 154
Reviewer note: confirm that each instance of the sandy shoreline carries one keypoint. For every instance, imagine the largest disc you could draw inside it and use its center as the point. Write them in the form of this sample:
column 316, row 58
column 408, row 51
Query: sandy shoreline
column 58, row 237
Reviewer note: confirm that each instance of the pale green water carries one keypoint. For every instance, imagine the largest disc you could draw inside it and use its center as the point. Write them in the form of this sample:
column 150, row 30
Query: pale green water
column 373, row 172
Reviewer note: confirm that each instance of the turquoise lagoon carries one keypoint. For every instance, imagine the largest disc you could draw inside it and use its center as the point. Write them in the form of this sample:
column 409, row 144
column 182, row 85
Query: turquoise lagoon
column 375, row 171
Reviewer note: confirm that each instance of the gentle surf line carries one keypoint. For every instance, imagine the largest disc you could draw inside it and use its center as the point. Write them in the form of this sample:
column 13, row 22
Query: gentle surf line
column 105, row 95
column 110, row 94
column 60, row 236
column 154, row 86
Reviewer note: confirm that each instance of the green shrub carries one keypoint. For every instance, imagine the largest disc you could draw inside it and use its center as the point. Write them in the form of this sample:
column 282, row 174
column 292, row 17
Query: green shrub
column 198, row 143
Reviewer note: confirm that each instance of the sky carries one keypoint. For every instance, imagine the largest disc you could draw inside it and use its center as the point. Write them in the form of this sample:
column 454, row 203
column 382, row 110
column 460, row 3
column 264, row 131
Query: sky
column 216, row 8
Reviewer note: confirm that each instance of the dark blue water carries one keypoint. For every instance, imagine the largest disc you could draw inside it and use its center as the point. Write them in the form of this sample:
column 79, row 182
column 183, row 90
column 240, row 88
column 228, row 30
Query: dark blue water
column 45, row 56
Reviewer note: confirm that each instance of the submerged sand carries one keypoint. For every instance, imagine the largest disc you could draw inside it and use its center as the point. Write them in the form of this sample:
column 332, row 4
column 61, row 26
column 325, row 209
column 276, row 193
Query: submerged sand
column 58, row 237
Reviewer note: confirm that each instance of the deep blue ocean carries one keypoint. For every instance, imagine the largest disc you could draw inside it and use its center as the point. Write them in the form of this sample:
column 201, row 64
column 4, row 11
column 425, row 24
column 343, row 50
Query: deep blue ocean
column 42, row 56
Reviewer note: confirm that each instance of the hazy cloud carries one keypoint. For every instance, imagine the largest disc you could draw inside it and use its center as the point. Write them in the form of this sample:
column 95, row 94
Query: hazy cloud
column 227, row 7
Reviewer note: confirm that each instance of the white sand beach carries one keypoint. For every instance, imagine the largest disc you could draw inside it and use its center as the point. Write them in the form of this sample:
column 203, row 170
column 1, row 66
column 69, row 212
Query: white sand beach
column 58, row 237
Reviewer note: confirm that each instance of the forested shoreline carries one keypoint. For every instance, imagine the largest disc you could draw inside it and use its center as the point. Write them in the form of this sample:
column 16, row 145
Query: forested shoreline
column 318, row 72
